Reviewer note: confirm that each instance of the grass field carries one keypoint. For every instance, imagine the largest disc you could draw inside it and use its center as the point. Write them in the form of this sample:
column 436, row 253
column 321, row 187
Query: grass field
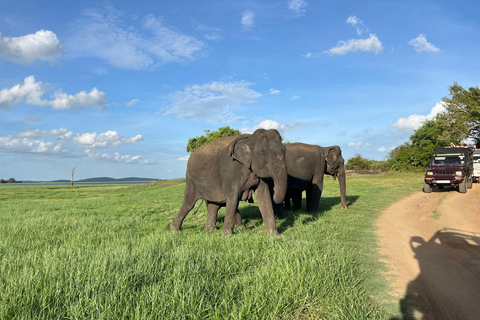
column 106, row 252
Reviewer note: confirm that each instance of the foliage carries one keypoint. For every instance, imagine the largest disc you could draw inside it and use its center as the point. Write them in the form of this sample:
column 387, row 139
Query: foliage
column 106, row 252
column 11, row 180
column 417, row 152
column 357, row 162
column 194, row 143
column 461, row 120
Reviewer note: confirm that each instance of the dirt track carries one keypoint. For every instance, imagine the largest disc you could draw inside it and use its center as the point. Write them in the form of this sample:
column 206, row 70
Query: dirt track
column 431, row 243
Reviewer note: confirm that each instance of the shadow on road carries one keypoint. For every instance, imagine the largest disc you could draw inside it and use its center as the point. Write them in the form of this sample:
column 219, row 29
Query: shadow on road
column 448, row 286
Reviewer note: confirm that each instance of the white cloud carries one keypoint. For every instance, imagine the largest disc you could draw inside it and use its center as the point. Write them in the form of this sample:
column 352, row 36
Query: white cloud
column 185, row 158
column 371, row 44
column 358, row 24
column 132, row 103
column 213, row 102
column 382, row 149
column 31, row 93
column 117, row 158
column 104, row 140
column 420, row 44
column 59, row 143
column 280, row 127
column 248, row 20
column 145, row 45
column 357, row 144
column 41, row 45
column 298, row 6
column 275, row 91
column 210, row 33
column 295, row 98
column 415, row 121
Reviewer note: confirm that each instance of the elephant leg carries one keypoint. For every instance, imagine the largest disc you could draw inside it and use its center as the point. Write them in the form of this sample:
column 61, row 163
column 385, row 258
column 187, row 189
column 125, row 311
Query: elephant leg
column 189, row 200
column 264, row 200
column 297, row 200
column 238, row 219
column 211, row 216
column 287, row 202
column 314, row 193
column 230, row 213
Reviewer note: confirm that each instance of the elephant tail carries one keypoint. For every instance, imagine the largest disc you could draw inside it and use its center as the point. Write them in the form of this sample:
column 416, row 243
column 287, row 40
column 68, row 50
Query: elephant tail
column 203, row 200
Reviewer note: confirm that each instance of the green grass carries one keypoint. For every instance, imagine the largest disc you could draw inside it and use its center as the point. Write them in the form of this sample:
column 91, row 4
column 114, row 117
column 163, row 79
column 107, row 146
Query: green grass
column 106, row 252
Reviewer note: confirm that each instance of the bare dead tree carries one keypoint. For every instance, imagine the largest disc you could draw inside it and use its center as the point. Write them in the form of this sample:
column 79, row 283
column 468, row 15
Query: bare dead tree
column 73, row 171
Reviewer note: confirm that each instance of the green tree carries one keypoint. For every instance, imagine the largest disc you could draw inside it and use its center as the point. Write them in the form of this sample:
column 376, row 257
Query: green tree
column 461, row 120
column 196, row 142
column 357, row 162
column 417, row 152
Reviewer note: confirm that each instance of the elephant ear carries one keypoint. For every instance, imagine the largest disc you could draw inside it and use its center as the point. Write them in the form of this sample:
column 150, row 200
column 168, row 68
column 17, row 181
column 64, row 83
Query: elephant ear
column 330, row 159
column 240, row 151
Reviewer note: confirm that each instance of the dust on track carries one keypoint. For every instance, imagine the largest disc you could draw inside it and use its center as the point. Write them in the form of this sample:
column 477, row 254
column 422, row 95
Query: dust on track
column 431, row 245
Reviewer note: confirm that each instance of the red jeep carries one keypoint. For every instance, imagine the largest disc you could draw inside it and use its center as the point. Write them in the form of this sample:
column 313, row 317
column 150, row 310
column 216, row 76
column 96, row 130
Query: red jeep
column 450, row 167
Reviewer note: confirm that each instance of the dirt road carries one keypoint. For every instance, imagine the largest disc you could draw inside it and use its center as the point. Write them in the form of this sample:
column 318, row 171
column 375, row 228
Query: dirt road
column 431, row 243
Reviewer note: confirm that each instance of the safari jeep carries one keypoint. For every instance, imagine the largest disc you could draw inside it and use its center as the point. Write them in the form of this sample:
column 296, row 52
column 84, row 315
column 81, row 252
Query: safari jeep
column 450, row 167
column 476, row 165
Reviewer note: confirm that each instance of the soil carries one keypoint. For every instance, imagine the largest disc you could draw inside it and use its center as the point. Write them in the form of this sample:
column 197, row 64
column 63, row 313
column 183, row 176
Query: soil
column 431, row 245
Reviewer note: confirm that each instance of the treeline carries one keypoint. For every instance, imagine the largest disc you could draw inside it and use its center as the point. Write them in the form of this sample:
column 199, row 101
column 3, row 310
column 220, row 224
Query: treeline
column 11, row 180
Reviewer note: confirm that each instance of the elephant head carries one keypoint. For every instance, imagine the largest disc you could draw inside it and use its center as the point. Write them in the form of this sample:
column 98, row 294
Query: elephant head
column 264, row 155
column 335, row 166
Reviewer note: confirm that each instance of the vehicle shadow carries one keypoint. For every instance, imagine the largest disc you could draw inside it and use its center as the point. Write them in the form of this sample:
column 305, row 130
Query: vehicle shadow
column 448, row 286
column 444, row 189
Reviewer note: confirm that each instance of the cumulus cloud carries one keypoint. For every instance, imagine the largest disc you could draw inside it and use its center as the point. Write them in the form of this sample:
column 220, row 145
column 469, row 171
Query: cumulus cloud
column 145, row 44
column 275, row 91
column 382, row 149
column 298, row 7
column 421, row 44
column 132, row 103
column 358, row 144
column 183, row 158
column 31, row 92
column 41, row 45
column 117, row 158
column 213, row 102
column 62, row 142
column 210, row 33
column 280, row 127
column 371, row 44
column 415, row 121
column 248, row 20
column 105, row 140
column 358, row 24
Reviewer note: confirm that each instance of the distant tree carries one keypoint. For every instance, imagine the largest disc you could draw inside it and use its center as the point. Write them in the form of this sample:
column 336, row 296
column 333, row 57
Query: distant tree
column 357, row 162
column 2, row 181
column 194, row 143
column 461, row 120
column 12, row 180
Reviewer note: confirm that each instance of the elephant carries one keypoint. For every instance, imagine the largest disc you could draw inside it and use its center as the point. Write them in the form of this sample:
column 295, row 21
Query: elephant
column 226, row 170
column 306, row 166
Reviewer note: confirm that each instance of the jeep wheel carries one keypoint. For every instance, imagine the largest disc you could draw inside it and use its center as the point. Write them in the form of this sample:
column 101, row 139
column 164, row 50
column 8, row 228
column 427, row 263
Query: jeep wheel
column 470, row 183
column 427, row 188
column 462, row 187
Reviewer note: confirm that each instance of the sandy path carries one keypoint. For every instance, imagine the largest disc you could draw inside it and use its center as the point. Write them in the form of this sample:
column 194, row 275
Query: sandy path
column 431, row 243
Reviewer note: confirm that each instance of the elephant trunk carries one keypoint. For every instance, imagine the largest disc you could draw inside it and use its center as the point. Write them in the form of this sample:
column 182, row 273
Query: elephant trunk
column 343, row 186
column 279, row 175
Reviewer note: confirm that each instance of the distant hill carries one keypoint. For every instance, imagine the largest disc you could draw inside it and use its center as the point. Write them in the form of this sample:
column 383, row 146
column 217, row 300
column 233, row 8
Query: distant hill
column 108, row 179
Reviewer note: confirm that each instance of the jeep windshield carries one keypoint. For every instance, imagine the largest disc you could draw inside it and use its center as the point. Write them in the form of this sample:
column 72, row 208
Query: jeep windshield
column 448, row 160
column 476, row 158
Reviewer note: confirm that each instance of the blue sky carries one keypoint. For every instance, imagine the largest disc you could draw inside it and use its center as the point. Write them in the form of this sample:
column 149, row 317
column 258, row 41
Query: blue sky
column 118, row 88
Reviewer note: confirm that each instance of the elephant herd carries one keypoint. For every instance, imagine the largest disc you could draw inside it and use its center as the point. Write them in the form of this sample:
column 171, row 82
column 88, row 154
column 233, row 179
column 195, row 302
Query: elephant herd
column 228, row 170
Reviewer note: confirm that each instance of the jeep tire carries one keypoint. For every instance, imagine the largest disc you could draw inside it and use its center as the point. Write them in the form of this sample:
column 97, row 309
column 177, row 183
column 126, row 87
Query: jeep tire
column 427, row 188
column 462, row 187
column 470, row 183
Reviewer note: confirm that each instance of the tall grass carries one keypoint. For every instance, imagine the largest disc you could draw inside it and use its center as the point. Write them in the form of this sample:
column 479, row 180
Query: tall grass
column 106, row 252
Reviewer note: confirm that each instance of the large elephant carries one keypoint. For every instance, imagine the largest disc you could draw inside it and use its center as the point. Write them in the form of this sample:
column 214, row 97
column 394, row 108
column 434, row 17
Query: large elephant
column 226, row 170
column 306, row 166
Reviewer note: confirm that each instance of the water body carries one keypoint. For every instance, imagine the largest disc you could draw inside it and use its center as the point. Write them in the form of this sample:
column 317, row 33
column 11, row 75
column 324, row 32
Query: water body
column 49, row 184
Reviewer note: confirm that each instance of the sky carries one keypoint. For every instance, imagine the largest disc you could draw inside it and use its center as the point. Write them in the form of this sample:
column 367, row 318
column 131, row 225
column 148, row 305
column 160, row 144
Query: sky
column 117, row 88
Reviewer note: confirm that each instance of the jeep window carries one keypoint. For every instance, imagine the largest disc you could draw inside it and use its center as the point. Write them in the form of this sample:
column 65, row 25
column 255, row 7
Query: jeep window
column 476, row 159
column 449, row 161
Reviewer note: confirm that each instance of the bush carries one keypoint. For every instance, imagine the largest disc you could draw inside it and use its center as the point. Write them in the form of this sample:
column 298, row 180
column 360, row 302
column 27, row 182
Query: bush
column 358, row 162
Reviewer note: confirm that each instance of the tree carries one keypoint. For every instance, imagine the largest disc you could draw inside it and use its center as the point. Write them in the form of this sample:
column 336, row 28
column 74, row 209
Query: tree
column 461, row 120
column 417, row 152
column 357, row 162
column 194, row 143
